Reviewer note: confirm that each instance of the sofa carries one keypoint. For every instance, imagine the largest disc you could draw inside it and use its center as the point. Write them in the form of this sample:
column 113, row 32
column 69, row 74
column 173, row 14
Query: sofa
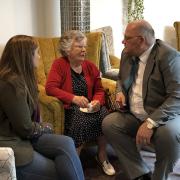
column 51, row 108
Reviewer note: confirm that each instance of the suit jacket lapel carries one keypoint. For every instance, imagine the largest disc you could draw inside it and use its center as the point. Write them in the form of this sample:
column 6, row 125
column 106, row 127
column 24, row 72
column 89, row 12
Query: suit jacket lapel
column 149, row 67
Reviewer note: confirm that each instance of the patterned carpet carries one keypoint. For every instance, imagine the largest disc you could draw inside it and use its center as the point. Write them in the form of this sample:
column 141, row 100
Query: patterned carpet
column 93, row 172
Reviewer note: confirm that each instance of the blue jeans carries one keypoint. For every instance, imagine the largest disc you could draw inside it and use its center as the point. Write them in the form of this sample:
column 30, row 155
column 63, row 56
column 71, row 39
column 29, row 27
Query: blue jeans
column 55, row 158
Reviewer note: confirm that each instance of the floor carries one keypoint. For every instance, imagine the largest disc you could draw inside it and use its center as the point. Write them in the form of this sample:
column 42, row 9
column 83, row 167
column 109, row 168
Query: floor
column 93, row 172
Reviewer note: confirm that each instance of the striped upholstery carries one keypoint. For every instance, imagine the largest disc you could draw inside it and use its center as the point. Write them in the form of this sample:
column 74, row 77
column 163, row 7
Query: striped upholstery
column 7, row 164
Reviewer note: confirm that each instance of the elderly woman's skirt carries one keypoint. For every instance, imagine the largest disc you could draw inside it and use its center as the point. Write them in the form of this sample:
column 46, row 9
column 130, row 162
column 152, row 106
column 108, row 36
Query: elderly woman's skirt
column 83, row 127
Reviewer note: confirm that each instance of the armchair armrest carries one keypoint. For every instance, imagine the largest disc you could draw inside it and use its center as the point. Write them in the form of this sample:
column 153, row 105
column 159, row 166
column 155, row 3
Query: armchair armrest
column 110, row 88
column 52, row 110
column 114, row 61
column 109, row 84
column 7, row 163
column 112, row 73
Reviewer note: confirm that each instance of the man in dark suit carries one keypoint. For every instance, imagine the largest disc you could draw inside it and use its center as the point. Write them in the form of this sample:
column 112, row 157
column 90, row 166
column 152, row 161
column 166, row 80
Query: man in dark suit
column 148, row 92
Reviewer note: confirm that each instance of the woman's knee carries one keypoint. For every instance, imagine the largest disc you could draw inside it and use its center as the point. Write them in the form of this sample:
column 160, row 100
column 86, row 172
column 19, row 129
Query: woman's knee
column 68, row 140
column 68, row 144
column 60, row 142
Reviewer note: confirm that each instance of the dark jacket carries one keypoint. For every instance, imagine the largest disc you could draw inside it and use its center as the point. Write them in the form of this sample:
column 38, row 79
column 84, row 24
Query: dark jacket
column 15, row 122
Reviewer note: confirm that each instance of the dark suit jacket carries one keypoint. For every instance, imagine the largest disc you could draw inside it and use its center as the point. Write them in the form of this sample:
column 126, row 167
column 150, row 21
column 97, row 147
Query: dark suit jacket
column 161, row 82
column 15, row 122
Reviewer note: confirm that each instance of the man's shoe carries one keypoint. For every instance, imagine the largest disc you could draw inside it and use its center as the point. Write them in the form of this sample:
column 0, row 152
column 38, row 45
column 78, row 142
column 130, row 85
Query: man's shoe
column 106, row 167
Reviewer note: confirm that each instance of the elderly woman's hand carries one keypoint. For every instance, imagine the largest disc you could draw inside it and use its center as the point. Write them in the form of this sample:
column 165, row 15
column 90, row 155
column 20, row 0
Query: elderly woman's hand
column 81, row 101
column 95, row 105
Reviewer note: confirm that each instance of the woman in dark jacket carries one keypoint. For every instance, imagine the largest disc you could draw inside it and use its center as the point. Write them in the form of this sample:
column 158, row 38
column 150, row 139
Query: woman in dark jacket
column 46, row 156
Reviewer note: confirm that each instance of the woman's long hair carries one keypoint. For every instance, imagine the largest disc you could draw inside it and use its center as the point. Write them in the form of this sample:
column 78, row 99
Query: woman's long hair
column 16, row 65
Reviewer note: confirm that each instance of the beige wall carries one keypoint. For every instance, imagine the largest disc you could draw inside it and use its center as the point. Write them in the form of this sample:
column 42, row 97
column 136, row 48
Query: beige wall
column 162, row 15
column 108, row 13
column 12, row 19
column 31, row 17
column 42, row 18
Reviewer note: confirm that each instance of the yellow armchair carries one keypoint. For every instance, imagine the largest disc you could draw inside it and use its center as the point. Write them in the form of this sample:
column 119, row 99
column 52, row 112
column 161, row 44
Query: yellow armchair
column 177, row 29
column 51, row 108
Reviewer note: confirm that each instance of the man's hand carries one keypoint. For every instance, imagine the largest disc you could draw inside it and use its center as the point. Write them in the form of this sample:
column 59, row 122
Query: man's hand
column 143, row 136
column 120, row 99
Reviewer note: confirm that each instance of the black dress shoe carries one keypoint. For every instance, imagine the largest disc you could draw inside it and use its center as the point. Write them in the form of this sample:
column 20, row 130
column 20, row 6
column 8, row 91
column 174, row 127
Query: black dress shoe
column 144, row 177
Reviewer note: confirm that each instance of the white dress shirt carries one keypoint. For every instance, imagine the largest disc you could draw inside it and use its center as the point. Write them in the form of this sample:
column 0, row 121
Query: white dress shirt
column 136, row 100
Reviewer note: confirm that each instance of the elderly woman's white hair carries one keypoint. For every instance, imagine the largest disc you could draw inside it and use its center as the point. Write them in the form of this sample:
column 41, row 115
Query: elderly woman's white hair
column 67, row 39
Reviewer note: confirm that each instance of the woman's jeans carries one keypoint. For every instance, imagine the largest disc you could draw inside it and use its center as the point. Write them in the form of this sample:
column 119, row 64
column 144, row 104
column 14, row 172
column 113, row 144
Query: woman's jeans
column 55, row 158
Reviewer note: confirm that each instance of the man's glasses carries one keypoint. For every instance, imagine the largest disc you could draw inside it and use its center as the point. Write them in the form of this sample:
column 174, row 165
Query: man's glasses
column 126, row 38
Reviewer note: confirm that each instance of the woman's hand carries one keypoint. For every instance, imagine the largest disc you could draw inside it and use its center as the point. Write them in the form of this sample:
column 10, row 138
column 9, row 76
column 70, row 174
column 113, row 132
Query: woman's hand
column 81, row 101
column 95, row 105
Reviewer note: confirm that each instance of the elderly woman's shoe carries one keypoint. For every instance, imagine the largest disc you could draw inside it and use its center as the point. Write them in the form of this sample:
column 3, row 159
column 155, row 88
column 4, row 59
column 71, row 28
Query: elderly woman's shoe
column 106, row 167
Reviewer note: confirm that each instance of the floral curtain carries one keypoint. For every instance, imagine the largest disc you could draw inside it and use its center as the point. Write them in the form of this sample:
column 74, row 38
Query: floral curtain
column 135, row 10
column 132, row 10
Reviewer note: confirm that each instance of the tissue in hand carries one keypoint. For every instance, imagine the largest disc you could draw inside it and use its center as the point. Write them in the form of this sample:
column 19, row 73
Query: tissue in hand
column 90, row 107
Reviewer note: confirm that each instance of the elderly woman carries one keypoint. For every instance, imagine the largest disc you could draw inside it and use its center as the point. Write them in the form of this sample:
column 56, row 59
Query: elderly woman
column 77, row 83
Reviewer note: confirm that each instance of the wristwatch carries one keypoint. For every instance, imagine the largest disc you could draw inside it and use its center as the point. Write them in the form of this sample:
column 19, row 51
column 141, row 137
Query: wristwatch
column 150, row 125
